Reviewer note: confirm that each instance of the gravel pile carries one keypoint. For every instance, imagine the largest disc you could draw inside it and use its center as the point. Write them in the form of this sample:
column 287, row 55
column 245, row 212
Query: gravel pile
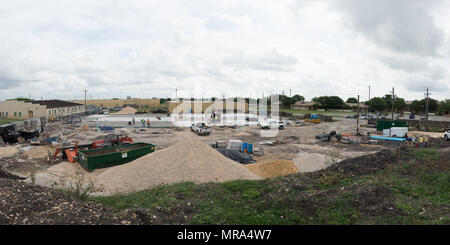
column 190, row 160
column 126, row 111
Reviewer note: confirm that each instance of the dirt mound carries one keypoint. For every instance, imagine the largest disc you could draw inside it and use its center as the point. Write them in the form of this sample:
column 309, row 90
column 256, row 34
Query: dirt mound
column 273, row 169
column 29, row 204
column 190, row 160
column 8, row 151
column 37, row 152
column 126, row 111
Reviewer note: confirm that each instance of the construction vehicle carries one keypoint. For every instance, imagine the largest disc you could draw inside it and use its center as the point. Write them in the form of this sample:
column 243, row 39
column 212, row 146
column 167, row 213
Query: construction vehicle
column 313, row 118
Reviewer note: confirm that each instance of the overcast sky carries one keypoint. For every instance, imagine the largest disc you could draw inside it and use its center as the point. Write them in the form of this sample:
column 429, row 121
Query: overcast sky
column 56, row 49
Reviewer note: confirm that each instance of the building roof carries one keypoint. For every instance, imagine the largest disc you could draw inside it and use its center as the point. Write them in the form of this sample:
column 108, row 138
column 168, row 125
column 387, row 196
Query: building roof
column 361, row 105
column 55, row 103
column 305, row 103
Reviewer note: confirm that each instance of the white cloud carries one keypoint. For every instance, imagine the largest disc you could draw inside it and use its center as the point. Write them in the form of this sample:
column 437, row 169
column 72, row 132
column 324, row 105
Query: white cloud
column 237, row 48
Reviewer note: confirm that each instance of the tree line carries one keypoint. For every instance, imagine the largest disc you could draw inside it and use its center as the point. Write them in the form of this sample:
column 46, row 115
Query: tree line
column 376, row 104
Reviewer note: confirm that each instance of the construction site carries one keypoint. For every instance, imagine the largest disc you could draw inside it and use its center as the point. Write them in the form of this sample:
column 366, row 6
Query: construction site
column 249, row 150
column 101, row 156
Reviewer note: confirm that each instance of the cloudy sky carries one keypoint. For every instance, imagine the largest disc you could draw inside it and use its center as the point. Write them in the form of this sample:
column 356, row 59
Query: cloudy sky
column 56, row 49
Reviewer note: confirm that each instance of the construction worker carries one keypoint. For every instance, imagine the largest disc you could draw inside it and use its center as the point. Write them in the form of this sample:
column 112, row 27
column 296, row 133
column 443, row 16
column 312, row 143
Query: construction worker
column 148, row 122
column 143, row 122
column 420, row 142
column 134, row 122
column 426, row 141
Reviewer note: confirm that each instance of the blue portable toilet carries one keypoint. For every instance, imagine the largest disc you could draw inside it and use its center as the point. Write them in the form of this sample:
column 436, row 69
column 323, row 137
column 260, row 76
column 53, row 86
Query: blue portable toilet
column 250, row 148
column 244, row 146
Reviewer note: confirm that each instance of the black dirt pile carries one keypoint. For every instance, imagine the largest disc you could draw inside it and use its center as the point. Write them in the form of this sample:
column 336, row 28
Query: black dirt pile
column 22, row 203
column 6, row 175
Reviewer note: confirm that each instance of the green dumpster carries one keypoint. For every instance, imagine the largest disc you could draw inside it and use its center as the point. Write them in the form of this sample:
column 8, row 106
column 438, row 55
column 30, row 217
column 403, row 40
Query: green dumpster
column 111, row 156
column 384, row 124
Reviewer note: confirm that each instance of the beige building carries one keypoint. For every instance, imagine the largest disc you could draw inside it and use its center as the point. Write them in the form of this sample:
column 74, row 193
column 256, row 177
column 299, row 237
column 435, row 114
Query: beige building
column 39, row 108
column 303, row 106
column 21, row 110
column 354, row 107
column 184, row 107
column 143, row 103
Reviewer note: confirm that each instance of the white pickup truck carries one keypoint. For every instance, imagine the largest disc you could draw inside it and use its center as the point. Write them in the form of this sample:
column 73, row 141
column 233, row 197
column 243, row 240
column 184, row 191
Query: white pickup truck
column 200, row 129
column 447, row 134
column 272, row 124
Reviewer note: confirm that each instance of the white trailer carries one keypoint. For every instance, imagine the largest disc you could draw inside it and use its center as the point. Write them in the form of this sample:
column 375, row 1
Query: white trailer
column 398, row 132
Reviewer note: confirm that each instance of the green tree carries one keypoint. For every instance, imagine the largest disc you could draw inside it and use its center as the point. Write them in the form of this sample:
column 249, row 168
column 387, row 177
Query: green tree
column 329, row 102
column 444, row 107
column 399, row 104
column 417, row 106
column 298, row 97
column 377, row 104
column 352, row 100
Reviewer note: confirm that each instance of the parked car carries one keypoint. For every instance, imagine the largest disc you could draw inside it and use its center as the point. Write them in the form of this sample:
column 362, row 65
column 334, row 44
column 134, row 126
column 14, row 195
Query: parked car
column 447, row 134
column 352, row 116
column 367, row 116
column 411, row 116
column 272, row 124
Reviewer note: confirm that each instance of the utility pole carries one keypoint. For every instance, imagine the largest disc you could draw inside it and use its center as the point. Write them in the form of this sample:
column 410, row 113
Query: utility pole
column 369, row 92
column 85, row 93
column 392, row 102
column 357, row 119
column 290, row 94
column 427, row 105
column 176, row 93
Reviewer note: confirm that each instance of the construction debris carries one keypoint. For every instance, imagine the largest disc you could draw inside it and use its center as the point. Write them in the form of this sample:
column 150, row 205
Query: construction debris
column 236, row 156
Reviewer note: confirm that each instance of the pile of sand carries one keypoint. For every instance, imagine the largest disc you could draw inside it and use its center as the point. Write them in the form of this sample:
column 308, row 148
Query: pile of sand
column 8, row 151
column 37, row 152
column 126, row 111
column 190, row 160
column 273, row 169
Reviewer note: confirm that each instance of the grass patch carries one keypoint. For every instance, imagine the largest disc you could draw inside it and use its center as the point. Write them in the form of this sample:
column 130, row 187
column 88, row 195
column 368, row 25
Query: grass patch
column 430, row 153
column 8, row 121
column 409, row 192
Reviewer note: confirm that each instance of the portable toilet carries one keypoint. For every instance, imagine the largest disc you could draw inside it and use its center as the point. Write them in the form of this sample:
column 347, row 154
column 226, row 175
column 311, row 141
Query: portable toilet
column 244, row 147
column 250, row 148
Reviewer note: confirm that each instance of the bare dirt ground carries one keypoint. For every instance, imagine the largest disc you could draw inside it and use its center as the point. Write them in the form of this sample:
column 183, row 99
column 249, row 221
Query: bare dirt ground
column 296, row 143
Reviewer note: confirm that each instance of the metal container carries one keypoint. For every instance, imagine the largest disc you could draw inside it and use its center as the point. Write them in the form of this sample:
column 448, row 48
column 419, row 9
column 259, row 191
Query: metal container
column 111, row 156
column 385, row 124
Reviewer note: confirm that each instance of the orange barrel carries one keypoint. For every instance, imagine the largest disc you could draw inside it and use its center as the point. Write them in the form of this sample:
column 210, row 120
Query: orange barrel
column 85, row 127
